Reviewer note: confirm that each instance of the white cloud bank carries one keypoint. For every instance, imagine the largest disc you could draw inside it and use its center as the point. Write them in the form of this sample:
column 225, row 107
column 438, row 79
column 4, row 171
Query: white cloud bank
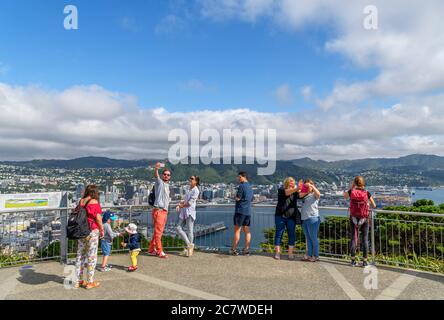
column 90, row 120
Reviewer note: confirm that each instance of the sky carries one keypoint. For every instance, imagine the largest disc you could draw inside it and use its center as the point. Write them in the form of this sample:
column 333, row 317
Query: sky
column 134, row 71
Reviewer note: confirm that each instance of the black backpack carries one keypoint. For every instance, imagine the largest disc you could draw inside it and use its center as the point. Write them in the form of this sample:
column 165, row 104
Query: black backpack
column 152, row 196
column 78, row 225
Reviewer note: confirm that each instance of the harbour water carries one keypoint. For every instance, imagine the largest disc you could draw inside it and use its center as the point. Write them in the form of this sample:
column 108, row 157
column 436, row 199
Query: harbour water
column 262, row 219
column 437, row 195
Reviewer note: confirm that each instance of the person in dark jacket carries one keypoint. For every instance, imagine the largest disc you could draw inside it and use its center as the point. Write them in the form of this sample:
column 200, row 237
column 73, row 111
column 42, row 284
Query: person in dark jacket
column 286, row 215
column 133, row 244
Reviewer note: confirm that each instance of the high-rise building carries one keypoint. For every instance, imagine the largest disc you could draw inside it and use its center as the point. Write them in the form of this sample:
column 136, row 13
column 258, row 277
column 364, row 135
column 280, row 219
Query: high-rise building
column 129, row 191
column 207, row 195
column 80, row 189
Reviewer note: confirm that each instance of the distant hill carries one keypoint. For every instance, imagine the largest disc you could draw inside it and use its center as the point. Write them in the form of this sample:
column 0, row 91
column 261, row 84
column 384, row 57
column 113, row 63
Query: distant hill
column 413, row 170
column 209, row 173
column 80, row 163
column 228, row 173
column 419, row 161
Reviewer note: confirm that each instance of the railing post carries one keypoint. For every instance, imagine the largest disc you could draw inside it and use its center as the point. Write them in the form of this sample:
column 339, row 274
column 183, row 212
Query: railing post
column 130, row 214
column 63, row 237
column 373, row 215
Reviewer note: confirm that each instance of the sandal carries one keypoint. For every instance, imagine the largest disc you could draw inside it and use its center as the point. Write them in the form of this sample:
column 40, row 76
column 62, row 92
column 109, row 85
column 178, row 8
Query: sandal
column 92, row 285
column 152, row 253
column 79, row 284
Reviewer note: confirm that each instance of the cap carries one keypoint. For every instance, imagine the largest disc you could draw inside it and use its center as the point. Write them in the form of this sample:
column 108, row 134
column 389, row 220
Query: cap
column 108, row 215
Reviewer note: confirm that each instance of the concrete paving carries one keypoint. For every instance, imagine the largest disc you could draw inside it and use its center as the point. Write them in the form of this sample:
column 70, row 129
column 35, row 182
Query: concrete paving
column 220, row 276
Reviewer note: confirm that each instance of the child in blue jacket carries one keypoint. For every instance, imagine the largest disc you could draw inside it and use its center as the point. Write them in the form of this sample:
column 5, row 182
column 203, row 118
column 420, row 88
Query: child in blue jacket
column 133, row 244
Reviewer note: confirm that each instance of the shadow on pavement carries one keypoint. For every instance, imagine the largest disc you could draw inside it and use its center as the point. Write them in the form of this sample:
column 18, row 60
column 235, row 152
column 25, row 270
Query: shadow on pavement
column 30, row 276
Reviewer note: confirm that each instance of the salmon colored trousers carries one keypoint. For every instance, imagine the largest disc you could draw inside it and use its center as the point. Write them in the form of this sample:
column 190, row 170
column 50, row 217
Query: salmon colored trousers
column 160, row 217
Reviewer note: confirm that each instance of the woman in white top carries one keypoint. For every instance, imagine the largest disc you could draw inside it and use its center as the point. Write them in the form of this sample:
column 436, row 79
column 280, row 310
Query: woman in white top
column 187, row 215
column 310, row 219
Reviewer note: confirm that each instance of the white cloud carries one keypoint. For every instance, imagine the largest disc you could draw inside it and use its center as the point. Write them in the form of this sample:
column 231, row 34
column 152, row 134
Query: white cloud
column 129, row 24
column 306, row 92
column 196, row 85
column 407, row 49
column 283, row 94
column 248, row 10
column 90, row 120
column 170, row 25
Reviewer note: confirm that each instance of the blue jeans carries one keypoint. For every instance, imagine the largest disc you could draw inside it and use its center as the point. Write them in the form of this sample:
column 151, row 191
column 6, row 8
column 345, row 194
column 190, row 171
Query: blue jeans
column 311, row 229
column 106, row 248
column 188, row 235
column 281, row 224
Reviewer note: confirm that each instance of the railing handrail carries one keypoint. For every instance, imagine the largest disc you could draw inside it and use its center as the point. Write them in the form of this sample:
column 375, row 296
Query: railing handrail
column 377, row 211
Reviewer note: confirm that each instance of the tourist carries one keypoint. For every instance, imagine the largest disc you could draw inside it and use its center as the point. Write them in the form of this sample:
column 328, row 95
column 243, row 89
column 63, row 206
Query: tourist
column 87, row 247
column 187, row 215
column 107, row 242
column 285, row 217
column 242, row 214
column 133, row 243
column 359, row 213
column 160, row 210
column 310, row 219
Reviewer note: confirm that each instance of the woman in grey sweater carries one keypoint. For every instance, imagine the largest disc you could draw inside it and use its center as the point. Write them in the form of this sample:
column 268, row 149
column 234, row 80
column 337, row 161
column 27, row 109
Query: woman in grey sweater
column 310, row 219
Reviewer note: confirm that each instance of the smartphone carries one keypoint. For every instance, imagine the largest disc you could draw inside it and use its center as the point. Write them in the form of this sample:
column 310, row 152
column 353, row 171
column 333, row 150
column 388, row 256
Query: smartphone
column 162, row 165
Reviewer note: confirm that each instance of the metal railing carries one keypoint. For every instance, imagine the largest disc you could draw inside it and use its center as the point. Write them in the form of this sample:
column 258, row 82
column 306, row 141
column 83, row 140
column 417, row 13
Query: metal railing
column 406, row 239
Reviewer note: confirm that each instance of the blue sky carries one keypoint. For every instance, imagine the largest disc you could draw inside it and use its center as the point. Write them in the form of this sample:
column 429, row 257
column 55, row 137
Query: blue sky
column 136, row 70
column 200, row 64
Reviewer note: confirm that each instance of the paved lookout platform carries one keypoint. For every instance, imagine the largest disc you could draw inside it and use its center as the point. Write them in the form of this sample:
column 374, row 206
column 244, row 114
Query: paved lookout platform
column 220, row 276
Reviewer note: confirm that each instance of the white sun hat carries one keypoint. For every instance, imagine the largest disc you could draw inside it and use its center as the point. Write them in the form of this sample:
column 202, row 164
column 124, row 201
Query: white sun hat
column 131, row 228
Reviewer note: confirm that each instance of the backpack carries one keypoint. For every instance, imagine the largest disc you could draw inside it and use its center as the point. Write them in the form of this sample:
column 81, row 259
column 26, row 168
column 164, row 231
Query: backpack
column 78, row 225
column 152, row 196
column 359, row 204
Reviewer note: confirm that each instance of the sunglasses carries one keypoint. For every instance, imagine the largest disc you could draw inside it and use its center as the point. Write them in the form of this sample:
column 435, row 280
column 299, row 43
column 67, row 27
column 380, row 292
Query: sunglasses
column 167, row 174
column 192, row 178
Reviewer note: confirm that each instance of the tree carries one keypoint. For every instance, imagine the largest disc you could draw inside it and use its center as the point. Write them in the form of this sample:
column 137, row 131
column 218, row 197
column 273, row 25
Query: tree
column 423, row 202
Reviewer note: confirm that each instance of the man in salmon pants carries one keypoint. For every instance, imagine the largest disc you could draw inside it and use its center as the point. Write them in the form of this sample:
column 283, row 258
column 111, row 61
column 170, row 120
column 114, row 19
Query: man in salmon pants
column 160, row 210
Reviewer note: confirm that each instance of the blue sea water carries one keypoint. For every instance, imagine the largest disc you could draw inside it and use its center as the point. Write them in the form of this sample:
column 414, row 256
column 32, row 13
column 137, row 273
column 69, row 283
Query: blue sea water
column 437, row 195
column 262, row 218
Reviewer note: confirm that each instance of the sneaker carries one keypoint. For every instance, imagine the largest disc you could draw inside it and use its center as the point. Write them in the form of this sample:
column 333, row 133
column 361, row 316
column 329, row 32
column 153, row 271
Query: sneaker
column 109, row 266
column 277, row 256
column 106, row 269
column 79, row 284
column 365, row 263
column 184, row 253
column 234, row 252
column 132, row 269
column 163, row 255
column 246, row 252
column 291, row 257
column 353, row 263
column 305, row 258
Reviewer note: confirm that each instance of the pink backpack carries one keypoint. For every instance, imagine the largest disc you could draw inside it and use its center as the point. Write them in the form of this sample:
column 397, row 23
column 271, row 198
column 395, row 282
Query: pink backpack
column 359, row 204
